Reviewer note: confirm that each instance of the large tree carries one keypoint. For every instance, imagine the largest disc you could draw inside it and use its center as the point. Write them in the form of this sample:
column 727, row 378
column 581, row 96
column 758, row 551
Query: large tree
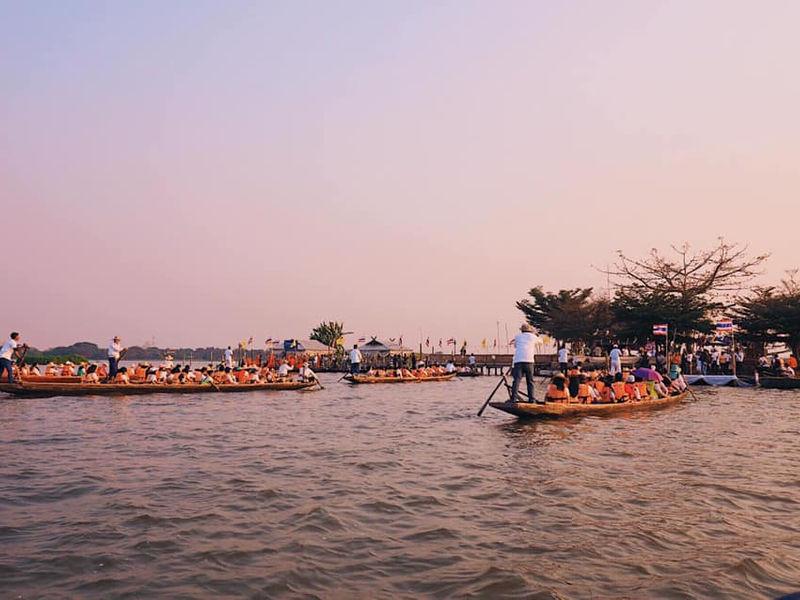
column 328, row 333
column 772, row 314
column 683, row 288
column 568, row 315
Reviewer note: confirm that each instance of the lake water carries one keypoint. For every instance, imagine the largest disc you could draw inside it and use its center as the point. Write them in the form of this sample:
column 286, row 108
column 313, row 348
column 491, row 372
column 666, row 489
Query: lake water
column 396, row 492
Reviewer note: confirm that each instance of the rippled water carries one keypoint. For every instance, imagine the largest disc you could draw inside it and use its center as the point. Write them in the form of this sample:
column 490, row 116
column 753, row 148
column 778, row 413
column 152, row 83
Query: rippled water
column 396, row 491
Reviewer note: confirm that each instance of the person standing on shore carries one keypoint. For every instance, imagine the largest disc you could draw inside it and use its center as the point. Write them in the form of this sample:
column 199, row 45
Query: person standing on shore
column 355, row 360
column 524, row 347
column 8, row 354
column 563, row 358
column 114, row 352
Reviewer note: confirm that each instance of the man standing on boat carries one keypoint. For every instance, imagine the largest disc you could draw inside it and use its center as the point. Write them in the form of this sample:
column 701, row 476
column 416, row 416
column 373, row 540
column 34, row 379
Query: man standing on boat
column 615, row 360
column 8, row 353
column 114, row 352
column 355, row 360
column 563, row 358
column 228, row 358
column 524, row 346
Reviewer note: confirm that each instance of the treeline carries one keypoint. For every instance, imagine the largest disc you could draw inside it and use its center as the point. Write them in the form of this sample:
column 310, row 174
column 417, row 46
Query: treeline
column 90, row 351
column 689, row 291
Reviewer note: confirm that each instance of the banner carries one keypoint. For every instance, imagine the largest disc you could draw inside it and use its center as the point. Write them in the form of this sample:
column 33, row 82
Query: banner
column 660, row 329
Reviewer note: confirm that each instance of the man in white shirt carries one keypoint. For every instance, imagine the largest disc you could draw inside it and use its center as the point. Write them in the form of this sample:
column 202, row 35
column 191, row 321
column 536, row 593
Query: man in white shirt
column 114, row 352
column 524, row 346
column 563, row 358
column 8, row 355
column 283, row 369
column 472, row 361
column 450, row 367
column 355, row 360
column 615, row 361
column 229, row 357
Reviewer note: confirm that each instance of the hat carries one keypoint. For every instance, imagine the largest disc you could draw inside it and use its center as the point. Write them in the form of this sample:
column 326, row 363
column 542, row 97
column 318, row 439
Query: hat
column 526, row 328
column 631, row 379
column 559, row 376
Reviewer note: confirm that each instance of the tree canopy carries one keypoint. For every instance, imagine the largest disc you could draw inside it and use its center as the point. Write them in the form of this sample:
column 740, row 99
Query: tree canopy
column 772, row 314
column 329, row 333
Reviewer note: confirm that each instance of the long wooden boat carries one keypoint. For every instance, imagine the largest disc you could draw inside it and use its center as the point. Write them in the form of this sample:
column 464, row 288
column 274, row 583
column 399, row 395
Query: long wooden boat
column 51, row 378
column 554, row 410
column 369, row 379
column 780, row 383
column 134, row 389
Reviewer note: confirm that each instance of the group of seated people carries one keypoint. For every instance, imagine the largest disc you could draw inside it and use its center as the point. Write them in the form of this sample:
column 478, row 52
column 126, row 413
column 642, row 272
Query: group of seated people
column 778, row 367
column 422, row 372
column 601, row 387
column 169, row 375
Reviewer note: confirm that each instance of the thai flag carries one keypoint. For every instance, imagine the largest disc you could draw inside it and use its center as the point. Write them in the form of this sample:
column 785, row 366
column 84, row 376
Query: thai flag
column 451, row 341
column 361, row 340
column 660, row 329
column 725, row 326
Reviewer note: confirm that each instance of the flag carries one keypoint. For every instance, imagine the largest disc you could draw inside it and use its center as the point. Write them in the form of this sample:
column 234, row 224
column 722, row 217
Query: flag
column 725, row 326
column 451, row 341
column 401, row 340
column 440, row 342
column 484, row 343
column 267, row 341
column 361, row 340
column 495, row 343
column 427, row 342
column 339, row 341
column 392, row 340
column 250, row 341
column 660, row 329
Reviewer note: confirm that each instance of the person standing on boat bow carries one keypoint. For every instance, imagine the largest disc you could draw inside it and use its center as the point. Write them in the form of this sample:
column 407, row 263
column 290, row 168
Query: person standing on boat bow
column 355, row 360
column 8, row 354
column 114, row 352
column 524, row 346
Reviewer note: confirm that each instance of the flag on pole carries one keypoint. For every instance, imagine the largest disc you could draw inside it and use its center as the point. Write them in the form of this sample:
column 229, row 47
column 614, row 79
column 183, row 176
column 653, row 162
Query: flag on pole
column 440, row 342
column 401, row 340
column 484, row 343
column 495, row 343
column 660, row 329
column 725, row 326
column 427, row 342
column 451, row 341
column 361, row 340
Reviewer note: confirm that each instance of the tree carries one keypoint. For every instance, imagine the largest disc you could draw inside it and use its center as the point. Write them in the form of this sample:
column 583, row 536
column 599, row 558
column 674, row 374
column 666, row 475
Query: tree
column 682, row 290
column 569, row 315
column 772, row 314
column 637, row 309
column 329, row 333
column 718, row 271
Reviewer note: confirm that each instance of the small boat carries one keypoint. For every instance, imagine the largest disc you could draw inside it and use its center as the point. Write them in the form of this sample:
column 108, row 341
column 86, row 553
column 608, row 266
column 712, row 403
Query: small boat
column 44, row 390
column 370, row 379
column 554, row 410
column 780, row 383
column 475, row 373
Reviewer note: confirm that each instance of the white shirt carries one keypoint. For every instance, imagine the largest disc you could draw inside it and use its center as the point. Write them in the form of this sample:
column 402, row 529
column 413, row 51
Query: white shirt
column 8, row 349
column 228, row 357
column 283, row 370
column 114, row 349
column 450, row 367
column 524, row 345
column 615, row 355
column 563, row 355
column 355, row 355
column 472, row 360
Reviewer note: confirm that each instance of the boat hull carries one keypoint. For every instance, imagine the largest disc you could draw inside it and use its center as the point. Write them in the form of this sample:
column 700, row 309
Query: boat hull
column 363, row 379
column 556, row 410
column 110, row 389
column 780, row 383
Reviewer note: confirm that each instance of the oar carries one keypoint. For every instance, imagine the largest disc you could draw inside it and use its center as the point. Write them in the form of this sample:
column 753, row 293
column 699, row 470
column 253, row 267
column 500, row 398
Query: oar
column 494, row 391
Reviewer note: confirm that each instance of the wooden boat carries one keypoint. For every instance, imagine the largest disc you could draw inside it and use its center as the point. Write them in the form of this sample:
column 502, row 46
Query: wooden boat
column 368, row 379
column 51, row 378
column 554, row 410
column 780, row 383
column 469, row 374
column 134, row 389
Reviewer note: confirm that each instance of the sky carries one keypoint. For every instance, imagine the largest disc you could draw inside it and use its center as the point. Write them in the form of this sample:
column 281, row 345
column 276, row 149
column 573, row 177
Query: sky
column 200, row 172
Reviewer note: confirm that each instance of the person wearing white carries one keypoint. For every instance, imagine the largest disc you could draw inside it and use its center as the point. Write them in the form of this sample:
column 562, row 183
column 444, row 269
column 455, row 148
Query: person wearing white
column 283, row 370
column 522, row 364
column 615, row 360
column 7, row 356
column 472, row 360
column 229, row 358
column 306, row 374
column 114, row 352
column 450, row 367
column 355, row 360
column 563, row 359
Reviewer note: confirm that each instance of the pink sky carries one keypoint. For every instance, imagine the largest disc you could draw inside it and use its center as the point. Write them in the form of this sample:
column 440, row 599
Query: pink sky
column 204, row 172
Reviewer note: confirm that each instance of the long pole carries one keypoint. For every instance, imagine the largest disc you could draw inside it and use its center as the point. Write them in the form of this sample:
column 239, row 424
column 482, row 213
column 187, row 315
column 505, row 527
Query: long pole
column 733, row 352
column 507, row 350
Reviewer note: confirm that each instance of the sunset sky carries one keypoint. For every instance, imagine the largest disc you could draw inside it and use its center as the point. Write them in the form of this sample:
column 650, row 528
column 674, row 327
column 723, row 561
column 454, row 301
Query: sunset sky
column 200, row 172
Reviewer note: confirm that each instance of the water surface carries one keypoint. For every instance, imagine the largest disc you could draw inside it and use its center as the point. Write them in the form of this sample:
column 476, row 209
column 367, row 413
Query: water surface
column 396, row 491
